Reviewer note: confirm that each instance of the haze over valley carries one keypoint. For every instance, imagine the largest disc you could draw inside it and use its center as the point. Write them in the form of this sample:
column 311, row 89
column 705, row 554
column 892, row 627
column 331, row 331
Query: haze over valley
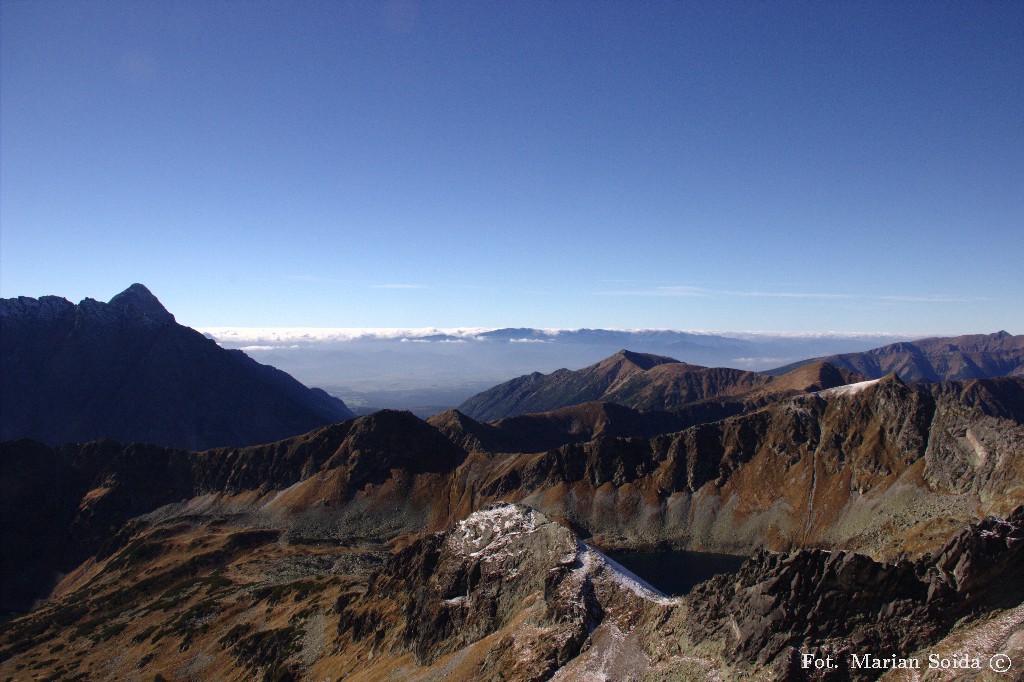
column 427, row 370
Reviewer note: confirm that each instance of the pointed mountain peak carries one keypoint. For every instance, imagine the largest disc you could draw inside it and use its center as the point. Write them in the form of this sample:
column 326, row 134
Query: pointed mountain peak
column 136, row 292
column 139, row 301
column 451, row 416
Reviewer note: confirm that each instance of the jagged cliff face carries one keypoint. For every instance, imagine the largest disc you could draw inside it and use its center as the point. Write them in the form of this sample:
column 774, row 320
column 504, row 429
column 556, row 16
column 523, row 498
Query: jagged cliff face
column 515, row 593
column 876, row 468
column 836, row 604
column 126, row 370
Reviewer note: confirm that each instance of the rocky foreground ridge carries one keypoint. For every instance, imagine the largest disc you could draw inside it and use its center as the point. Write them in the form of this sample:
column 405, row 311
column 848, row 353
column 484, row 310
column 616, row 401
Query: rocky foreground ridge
column 505, row 594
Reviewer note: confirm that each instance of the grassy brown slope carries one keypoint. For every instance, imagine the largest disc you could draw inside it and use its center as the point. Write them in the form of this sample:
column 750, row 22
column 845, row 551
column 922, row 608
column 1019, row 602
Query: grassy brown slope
column 80, row 496
column 188, row 600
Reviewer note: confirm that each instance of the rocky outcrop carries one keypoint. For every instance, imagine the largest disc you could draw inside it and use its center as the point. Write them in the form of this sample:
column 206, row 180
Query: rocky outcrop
column 506, row 574
column 126, row 370
column 504, row 594
column 841, row 603
column 974, row 440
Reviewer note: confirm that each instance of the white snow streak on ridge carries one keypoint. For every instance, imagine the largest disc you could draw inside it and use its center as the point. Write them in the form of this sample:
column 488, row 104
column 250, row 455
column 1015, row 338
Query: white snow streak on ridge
column 489, row 534
column 622, row 576
column 848, row 389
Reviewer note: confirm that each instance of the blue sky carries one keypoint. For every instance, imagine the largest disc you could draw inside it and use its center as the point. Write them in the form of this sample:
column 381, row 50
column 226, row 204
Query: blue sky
column 848, row 166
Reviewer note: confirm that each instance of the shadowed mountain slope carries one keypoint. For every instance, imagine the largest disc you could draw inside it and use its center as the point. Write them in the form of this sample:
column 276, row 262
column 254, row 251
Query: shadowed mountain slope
column 540, row 431
column 70, row 501
column 126, row 370
column 973, row 356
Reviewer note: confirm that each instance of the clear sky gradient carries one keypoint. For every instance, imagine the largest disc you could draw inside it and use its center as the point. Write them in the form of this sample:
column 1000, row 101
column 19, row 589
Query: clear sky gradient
column 850, row 166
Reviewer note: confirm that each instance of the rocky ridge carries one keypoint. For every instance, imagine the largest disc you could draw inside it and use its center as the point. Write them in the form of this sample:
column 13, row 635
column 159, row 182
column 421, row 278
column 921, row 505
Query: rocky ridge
column 649, row 383
column 456, row 549
column 883, row 469
column 973, row 356
column 506, row 573
column 506, row 593
column 842, row 603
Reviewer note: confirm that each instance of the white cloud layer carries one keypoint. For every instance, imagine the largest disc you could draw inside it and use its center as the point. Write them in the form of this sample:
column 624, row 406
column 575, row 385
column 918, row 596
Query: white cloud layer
column 267, row 338
column 281, row 335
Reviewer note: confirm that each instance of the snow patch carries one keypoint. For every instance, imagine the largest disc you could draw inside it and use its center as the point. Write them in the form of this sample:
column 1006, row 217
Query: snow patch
column 848, row 389
column 489, row 533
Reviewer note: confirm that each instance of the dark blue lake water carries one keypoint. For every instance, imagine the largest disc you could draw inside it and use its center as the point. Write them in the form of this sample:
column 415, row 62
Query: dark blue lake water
column 676, row 573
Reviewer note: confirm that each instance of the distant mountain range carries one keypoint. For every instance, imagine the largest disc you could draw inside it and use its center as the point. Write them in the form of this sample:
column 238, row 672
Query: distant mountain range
column 428, row 370
column 974, row 356
column 126, row 370
column 646, row 382
column 652, row 382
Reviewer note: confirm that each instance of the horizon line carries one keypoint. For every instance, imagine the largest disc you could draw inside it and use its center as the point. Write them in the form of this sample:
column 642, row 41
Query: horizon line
column 316, row 333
